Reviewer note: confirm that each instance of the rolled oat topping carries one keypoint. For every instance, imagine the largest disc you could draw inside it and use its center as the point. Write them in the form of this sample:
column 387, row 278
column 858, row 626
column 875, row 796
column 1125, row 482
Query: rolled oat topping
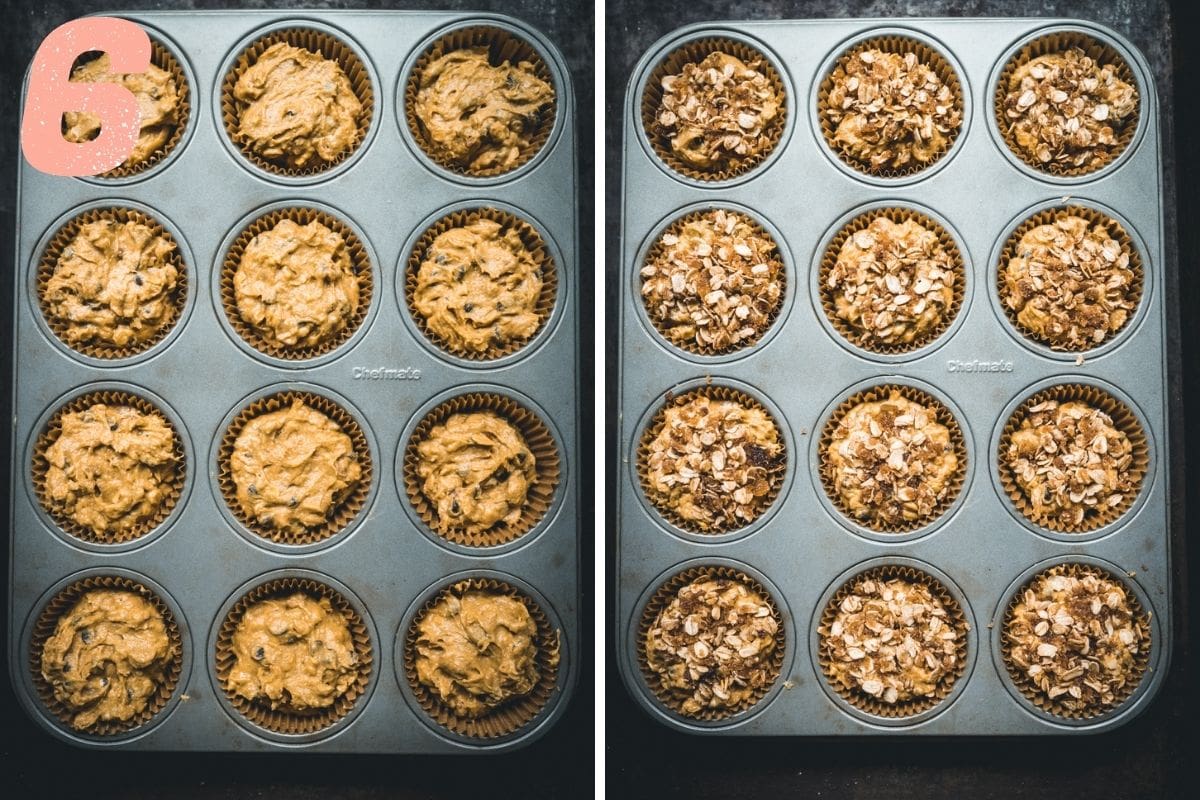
column 712, row 462
column 893, row 640
column 893, row 283
column 715, row 283
column 711, row 646
column 716, row 113
column 1070, row 283
column 1071, row 462
column 1077, row 638
column 889, row 110
column 1066, row 110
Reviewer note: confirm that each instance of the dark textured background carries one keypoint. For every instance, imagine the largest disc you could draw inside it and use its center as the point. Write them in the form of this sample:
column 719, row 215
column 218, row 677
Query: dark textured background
column 1146, row 758
column 32, row 765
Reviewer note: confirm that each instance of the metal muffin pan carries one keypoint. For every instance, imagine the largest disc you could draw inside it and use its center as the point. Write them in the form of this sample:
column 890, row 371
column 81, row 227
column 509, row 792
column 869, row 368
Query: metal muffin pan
column 385, row 376
column 981, row 367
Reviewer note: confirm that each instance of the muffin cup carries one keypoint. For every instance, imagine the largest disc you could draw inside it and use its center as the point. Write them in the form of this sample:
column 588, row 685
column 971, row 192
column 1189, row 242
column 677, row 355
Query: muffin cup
column 315, row 41
column 892, row 43
column 1059, row 42
column 537, row 438
column 700, row 348
column 860, row 699
column 1048, row 217
column 502, row 45
column 283, row 720
column 359, row 260
column 342, row 513
column 1123, row 419
column 662, row 597
column 694, row 52
column 40, row 467
column 49, row 261
column 513, row 714
column 943, row 416
column 532, row 241
column 1030, row 690
column 897, row 215
column 47, row 621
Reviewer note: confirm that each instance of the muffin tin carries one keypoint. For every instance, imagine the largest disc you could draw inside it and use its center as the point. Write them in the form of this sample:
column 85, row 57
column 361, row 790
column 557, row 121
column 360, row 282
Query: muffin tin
column 201, row 560
column 981, row 368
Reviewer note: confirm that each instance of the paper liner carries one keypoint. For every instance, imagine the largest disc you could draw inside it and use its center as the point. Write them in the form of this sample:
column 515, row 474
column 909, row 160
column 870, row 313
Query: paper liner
column 49, row 435
column 775, row 474
column 891, row 43
column 44, row 628
column 532, row 241
column 662, row 597
column 828, row 296
column 1048, row 217
column 537, row 438
column 1123, row 419
column 943, row 415
column 693, row 346
column 1059, row 42
column 694, row 52
column 359, row 260
column 342, row 513
column 515, row 713
column 49, row 261
column 502, row 46
column 315, row 41
column 1030, row 690
column 860, row 699
column 283, row 720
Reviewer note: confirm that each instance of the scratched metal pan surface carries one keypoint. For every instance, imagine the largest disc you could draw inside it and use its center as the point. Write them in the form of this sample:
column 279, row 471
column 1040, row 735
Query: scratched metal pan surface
column 801, row 369
column 387, row 377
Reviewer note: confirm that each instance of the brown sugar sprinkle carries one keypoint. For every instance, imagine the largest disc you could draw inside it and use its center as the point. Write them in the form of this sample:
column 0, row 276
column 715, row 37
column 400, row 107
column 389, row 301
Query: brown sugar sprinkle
column 890, row 110
column 716, row 112
column 714, row 284
column 1066, row 110
column 711, row 646
column 1070, row 283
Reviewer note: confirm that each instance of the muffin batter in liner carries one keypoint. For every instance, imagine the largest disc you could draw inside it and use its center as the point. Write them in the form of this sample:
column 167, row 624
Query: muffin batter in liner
column 359, row 260
column 44, row 628
column 341, row 514
column 517, row 712
column 284, row 720
column 1123, row 419
column 537, row 438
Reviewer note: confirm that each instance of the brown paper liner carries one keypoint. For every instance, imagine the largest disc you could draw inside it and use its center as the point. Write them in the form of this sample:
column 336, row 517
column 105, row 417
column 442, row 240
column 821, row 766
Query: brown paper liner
column 860, row 699
column 502, row 46
column 775, row 474
column 49, row 435
column 1059, row 42
column 892, row 43
column 1030, row 690
column 359, row 259
column 314, row 41
column 341, row 514
column 532, row 241
column 1123, row 419
column 1048, row 217
column 49, row 262
column 537, row 438
column 44, row 628
column 694, row 52
column 662, row 597
column 283, row 720
column 882, row 392
column 700, row 348
column 516, row 712
column 829, row 260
